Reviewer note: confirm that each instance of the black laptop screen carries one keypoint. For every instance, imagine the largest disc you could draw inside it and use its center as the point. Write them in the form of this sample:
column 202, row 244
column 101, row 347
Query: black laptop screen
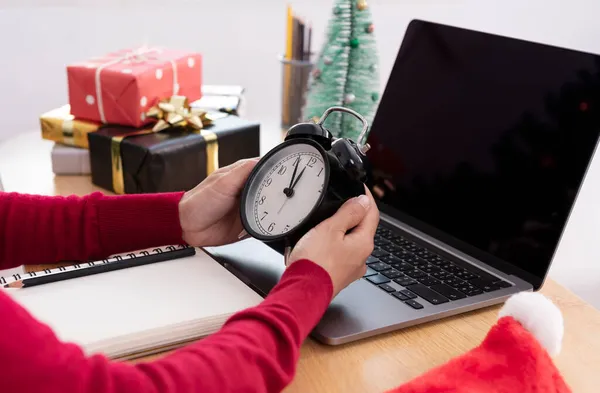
column 485, row 141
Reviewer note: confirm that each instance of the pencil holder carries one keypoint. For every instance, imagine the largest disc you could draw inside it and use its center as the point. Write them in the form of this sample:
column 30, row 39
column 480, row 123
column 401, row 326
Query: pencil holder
column 295, row 77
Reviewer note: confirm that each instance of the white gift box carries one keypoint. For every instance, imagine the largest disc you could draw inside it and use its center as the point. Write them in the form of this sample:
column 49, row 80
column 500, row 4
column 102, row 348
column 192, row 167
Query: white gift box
column 222, row 97
column 70, row 160
column 223, row 90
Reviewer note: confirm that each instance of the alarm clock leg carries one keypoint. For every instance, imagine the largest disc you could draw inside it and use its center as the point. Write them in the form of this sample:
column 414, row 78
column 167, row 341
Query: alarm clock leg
column 286, row 254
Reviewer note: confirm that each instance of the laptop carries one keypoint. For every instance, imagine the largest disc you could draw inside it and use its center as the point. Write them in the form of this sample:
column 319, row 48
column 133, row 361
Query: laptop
column 480, row 145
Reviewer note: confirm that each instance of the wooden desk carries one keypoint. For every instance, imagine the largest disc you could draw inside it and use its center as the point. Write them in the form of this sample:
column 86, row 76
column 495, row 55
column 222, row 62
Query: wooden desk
column 371, row 365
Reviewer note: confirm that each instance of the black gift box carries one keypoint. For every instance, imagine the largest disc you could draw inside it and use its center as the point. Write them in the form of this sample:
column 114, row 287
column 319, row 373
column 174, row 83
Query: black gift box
column 175, row 159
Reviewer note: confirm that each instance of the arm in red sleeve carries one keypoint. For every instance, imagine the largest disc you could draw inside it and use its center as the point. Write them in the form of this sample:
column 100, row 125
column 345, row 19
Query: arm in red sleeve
column 47, row 229
column 255, row 351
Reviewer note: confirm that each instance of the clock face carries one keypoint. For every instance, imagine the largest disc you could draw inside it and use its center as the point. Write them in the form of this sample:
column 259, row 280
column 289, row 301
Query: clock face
column 285, row 189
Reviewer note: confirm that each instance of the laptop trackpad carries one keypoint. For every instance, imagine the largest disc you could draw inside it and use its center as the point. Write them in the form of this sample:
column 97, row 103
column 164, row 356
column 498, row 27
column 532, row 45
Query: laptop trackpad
column 360, row 308
column 253, row 262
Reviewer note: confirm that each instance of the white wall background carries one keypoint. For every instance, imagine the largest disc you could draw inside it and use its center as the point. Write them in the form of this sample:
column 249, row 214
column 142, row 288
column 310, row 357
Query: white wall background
column 240, row 41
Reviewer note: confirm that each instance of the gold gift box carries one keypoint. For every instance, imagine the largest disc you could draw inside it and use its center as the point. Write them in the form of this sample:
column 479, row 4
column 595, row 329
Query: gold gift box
column 59, row 125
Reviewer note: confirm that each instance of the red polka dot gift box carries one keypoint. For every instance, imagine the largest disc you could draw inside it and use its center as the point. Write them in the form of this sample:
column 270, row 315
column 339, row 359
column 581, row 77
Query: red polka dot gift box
column 120, row 87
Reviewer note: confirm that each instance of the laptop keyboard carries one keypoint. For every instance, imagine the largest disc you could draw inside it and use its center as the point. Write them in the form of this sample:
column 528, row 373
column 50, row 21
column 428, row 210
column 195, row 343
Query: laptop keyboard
column 414, row 274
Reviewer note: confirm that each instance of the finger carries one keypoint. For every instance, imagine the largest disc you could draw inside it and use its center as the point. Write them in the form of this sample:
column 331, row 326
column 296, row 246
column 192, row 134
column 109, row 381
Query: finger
column 221, row 172
column 368, row 226
column 362, row 271
column 209, row 182
column 214, row 177
column 350, row 214
column 245, row 166
column 235, row 165
column 232, row 182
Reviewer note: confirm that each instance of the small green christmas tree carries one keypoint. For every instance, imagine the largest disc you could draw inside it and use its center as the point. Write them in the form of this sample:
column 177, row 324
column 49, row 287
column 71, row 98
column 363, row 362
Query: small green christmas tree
column 346, row 71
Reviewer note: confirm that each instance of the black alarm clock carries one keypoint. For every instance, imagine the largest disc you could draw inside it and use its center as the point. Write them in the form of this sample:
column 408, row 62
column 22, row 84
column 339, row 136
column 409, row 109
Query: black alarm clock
column 301, row 182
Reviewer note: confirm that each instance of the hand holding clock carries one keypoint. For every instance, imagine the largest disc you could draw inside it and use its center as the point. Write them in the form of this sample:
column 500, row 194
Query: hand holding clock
column 209, row 213
column 209, row 216
column 340, row 253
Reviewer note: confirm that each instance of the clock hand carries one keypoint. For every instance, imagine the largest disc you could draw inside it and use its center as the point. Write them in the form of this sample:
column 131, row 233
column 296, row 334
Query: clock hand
column 288, row 190
column 298, row 179
column 284, row 202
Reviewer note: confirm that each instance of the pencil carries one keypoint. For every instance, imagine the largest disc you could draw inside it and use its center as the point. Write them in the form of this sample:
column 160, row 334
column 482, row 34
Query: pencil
column 290, row 23
column 96, row 267
column 287, row 67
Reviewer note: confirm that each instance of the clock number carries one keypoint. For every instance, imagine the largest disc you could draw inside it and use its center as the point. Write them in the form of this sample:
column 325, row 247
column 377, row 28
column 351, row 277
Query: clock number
column 287, row 228
column 297, row 161
column 319, row 175
column 268, row 182
column 262, row 200
column 271, row 227
column 282, row 170
column 265, row 215
column 311, row 162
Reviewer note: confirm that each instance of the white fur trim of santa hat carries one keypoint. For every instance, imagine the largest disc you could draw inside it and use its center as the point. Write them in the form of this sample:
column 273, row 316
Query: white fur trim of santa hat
column 539, row 316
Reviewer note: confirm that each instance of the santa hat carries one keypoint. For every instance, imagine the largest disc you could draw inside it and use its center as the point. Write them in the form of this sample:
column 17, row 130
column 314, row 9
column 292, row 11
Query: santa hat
column 515, row 356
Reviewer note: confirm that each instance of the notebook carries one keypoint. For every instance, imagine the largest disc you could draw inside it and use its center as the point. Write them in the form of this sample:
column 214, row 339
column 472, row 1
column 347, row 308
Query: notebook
column 139, row 310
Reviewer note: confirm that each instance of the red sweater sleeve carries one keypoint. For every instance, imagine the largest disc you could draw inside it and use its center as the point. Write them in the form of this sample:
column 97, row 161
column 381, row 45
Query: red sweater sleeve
column 47, row 229
column 255, row 351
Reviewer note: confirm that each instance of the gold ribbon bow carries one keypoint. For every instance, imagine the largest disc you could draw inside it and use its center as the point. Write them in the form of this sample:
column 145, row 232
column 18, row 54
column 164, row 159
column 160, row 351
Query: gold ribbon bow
column 176, row 112
column 170, row 113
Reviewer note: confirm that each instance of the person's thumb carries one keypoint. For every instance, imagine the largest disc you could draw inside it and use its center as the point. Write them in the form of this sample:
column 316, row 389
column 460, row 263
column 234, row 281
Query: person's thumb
column 350, row 214
column 232, row 182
